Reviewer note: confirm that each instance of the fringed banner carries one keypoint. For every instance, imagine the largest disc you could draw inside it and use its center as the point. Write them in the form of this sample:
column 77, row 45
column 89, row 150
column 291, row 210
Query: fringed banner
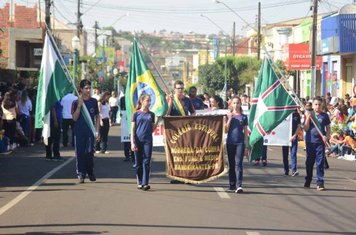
column 194, row 148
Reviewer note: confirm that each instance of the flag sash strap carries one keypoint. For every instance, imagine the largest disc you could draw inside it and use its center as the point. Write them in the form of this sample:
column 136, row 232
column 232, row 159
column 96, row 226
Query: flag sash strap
column 178, row 105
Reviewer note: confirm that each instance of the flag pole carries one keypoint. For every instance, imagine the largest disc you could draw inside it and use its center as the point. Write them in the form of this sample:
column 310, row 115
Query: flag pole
column 290, row 90
column 65, row 69
column 154, row 65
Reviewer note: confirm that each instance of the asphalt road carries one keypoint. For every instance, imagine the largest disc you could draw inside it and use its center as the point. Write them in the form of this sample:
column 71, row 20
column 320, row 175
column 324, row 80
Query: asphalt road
column 43, row 197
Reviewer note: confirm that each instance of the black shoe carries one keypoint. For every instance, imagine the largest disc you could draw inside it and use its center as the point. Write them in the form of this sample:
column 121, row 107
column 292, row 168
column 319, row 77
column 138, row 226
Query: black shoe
column 58, row 159
column 176, row 182
column 232, row 188
column 320, row 187
column 81, row 179
column 307, row 184
column 264, row 163
column 91, row 177
column 126, row 159
column 49, row 158
column 286, row 173
column 146, row 187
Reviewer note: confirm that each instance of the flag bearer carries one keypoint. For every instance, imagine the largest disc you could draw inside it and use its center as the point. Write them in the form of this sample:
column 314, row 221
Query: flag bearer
column 315, row 147
column 83, row 136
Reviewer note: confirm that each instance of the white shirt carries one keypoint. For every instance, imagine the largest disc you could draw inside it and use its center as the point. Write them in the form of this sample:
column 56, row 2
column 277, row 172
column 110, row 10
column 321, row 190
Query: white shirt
column 25, row 108
column 95, row 96
column 66, row 103
column 104, row 113
column 113, row 101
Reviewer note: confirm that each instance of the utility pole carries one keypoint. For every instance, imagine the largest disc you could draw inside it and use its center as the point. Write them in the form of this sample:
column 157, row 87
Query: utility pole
column 79, row 22
column 259, row 32
column 233, row 39
column 48, row 13
column 313, row 49
column 96, row 26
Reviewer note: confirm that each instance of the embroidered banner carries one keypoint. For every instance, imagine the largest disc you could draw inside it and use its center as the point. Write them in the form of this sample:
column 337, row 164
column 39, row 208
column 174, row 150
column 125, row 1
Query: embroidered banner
column 194, row 148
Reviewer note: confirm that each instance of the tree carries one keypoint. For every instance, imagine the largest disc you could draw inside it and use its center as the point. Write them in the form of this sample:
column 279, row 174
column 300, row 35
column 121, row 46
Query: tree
column 240, row 71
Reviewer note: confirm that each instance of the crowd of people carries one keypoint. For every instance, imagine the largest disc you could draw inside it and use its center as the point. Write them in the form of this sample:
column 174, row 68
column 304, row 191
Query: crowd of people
column 337, row 118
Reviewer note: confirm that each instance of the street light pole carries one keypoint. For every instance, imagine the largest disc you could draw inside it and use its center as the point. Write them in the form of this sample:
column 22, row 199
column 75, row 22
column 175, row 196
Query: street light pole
column 75, row 45
column 226, row 39
column 116, row 72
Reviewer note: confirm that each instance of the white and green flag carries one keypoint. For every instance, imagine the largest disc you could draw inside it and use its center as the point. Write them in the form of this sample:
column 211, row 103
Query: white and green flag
column 270, row 105
column 53, row 84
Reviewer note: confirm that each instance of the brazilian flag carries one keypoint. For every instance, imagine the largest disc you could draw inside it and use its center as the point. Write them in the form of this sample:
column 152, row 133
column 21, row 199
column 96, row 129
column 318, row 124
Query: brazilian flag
column 141, row 81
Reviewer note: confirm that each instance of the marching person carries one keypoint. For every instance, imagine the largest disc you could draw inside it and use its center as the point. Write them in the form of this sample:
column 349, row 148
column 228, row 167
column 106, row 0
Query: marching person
column 178, row 103
column 142, row 126
column 104, row 110
column 114, row 107
column 67, row 121
column 294, row 148
column 196, row 101
column 55, row 135
column 315, row 147
column 236, row 144
column 83, row 136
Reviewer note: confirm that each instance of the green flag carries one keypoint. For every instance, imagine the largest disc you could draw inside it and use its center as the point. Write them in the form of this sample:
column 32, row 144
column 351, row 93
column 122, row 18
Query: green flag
column 270, row 105
column 52, row 86
column 141, row 81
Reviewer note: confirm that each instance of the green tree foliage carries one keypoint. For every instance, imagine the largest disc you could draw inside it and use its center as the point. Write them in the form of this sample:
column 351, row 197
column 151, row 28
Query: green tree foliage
column 239, row 70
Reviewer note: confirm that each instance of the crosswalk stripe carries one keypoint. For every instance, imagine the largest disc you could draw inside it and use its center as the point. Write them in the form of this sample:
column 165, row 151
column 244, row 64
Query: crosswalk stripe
column 221, row 192
column 253, row 233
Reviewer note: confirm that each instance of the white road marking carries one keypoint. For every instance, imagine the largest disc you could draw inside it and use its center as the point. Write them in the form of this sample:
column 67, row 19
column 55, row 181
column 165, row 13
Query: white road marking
column 253, row 233
column 29, row 190
column 221, row 192
column 352, row 180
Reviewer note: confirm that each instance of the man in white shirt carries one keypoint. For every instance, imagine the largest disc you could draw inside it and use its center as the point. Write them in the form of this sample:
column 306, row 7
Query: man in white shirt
column 96, row 93
column 67, row 121
column 114, row 107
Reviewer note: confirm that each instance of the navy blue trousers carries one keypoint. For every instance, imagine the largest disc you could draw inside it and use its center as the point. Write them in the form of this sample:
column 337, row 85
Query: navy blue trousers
column 315, row 154
column 235, row 154
column 84, row 152
column 143, row 157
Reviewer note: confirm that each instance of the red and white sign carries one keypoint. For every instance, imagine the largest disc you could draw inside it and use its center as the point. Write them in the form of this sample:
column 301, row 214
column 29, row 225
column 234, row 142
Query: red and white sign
column 300, row 57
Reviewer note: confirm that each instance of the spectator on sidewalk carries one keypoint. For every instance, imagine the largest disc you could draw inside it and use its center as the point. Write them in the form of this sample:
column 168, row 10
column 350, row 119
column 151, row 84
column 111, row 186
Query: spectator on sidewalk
column 25, row 109
column 10, row 112
column 129, row 155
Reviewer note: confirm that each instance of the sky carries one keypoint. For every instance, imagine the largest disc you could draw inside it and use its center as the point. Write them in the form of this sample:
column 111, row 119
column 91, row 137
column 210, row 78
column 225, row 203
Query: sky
column 183, row 15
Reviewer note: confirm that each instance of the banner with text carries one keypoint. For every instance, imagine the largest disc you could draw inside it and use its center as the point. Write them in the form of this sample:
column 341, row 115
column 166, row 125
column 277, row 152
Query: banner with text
column 194, row 148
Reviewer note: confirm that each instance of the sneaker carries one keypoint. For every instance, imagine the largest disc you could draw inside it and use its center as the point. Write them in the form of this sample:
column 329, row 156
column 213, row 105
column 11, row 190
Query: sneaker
column 49, row 158
column 295, row 173
column 139, row 186
column 80, row 179
column 286, row 173
column 91, row 177
column 146, row 187
column 307, row 184
column 257, row 162
column 106, row 152
column 126, row 159
column 239, row 190
column 97, row 151
column 264, row 163
column 320, row 187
